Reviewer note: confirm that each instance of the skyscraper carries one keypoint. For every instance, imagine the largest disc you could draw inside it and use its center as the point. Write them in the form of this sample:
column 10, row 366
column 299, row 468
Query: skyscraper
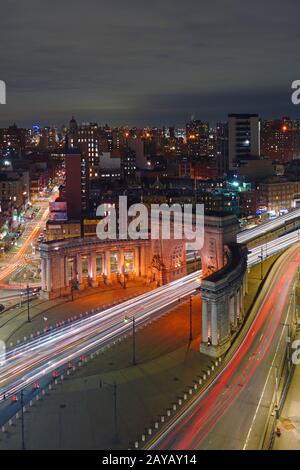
column 244, row 137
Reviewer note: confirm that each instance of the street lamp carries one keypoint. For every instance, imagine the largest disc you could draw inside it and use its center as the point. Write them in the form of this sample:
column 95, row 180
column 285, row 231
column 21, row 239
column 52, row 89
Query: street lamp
column 191, row 320
column 126, row 320
column 28, row 306
column 22, row 420
column 288, row 340
column 114, row 387
column 276, row 404
column 261, row 257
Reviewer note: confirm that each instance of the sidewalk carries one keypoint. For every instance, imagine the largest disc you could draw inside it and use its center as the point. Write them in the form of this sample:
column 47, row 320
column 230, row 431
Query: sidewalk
column 289, row 421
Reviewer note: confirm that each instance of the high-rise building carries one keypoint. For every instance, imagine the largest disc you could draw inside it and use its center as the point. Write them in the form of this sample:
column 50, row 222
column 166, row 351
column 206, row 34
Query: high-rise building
column 197, row 137
column 86, row 139
column 76, row 188
column 280, row 139
column 221, row 136
column 243, row 138
column 12, row 141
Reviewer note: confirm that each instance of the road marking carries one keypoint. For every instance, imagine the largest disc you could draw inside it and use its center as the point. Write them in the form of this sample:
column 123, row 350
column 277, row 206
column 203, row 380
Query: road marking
column 266, row 382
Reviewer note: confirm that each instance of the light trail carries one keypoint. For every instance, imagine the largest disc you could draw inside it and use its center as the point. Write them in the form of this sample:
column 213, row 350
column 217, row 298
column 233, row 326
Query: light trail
column 190, row 430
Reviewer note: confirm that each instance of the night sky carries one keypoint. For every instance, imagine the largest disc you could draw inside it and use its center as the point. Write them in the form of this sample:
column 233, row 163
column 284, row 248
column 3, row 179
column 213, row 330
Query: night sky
column 136, row 62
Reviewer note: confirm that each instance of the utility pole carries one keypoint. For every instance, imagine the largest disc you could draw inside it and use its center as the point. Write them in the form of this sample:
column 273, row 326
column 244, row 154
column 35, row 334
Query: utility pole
column 126, row 319
column 276, row 391
column 261, row 257
column 191, row 319
column 28, row 307
column 115, row 410
column 22, row 420
column 114, row 387
column 133, row 342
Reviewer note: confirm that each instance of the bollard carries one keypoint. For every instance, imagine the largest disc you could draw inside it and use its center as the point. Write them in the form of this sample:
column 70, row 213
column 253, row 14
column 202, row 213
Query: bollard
column 216, row 363
column 30, row 403
column 156, row 425
column 74, row 368
column 150, row 431
column 11, row 345
column 25, row 339
column 55, row 382
column 50, row 387
column 37, row 398
column 136, row 444
column 168, row 412
column 179, row 402
column 220, row 360
column 162, row 419
column 174, row 407
column 143, row 437
column 10, row 422
column 204, row 377
column 17, row 415
column 43, row 392
column 212, row 367
column 185, row 396
column 3, row 429
column 195, row 386
column 208, row 372
column 200, row 381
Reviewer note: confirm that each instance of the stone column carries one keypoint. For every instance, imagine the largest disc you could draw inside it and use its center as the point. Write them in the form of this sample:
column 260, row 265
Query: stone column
column 43, row 274
column 137, row 261
column 121, row 261
column 143, row 267
column 79, row 269
column 66, row 260
column 62, row 279
column 92, row 268
column 232, row 312
column 238, row 304
column 204, row 321
column 241, row 304
column 214, row 324
column 107, row 264
column 48, row 275
column 245, row 281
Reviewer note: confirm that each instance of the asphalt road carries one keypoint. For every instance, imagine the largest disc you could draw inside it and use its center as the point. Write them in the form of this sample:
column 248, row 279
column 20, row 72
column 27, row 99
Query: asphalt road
column 232, row 412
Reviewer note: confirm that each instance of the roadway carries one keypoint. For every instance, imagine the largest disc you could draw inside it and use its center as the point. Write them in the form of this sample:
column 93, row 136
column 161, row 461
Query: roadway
column 23, row 254
column 232, row 412
column 246, row 235
column 37, row 358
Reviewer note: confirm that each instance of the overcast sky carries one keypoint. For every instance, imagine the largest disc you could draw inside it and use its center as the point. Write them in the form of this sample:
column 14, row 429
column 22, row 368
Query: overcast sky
column 147, row 62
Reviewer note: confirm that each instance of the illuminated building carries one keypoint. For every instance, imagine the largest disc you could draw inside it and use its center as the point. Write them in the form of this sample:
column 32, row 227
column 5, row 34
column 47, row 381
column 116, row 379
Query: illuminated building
column 243, row 138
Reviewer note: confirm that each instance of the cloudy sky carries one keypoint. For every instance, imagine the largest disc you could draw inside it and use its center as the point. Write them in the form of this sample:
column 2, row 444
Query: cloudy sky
column 138, row 62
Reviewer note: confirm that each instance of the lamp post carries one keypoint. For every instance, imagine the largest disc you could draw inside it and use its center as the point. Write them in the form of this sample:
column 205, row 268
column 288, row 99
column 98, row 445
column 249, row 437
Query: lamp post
column 191, row 320
column 126, row 320
column 28, row 306
column 288, row 340
column 22, row 420
column 261, row 257
column 114, row 387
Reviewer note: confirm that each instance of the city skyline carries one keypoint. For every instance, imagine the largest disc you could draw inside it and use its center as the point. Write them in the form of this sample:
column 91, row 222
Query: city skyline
column 147, row 64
